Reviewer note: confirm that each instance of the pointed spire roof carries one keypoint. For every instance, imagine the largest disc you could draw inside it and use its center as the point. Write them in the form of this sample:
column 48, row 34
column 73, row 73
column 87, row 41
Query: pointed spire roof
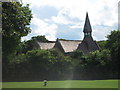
column 57, row 39
column 87, row 26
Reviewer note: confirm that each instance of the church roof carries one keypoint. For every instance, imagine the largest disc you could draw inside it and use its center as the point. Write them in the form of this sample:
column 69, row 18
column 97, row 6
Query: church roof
column 87, row 26
column 69, row 45
column 88, row 45
column 65, row 45
column 46, row 45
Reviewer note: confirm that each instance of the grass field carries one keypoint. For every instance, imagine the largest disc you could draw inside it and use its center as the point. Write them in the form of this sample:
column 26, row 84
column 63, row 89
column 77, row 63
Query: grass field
column 64, row 84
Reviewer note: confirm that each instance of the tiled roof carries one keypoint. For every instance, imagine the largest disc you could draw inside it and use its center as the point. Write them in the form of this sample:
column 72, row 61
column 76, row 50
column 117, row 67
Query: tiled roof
column 87, row 26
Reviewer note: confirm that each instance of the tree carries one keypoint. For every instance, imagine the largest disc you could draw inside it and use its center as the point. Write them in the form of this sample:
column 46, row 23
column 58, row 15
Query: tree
column 77, row 57
column 113, row 43
column 98, row 58
column 61, row 64
column 102, row 44
column 97, row 64
column 39, row 38
column 15, row 21
column 78, row 62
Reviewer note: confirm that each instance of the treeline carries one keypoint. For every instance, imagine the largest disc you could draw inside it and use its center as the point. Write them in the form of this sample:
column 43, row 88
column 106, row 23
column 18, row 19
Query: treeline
column 31, row 63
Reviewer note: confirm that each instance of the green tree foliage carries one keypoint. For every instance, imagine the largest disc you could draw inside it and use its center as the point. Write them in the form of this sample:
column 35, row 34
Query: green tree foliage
column 96, row 64
column 78, row 63
column 98, row 58
column 39, row 38
column 46, row 63
column 102, row 44
column 77, row 58
column 113, row 44
column 77, row 54
column 39, row 60
column 15, row 24
column 61, row 63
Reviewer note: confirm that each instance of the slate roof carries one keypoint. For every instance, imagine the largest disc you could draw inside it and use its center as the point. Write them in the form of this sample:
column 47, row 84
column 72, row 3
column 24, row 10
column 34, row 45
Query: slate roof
column 88, row 45
column 87, row 26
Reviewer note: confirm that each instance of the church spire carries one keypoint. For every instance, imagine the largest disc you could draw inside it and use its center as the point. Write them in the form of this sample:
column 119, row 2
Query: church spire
column 87, row 27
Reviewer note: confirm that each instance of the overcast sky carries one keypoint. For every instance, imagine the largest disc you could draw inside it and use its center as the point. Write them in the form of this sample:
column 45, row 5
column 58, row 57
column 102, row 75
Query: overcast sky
column 65, row 18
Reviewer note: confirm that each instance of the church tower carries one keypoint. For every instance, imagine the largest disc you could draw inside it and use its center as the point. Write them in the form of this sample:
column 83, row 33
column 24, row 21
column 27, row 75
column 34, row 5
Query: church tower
column 88, row 44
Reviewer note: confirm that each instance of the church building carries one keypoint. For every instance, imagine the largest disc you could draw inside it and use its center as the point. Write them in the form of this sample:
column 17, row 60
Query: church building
column 67, row 46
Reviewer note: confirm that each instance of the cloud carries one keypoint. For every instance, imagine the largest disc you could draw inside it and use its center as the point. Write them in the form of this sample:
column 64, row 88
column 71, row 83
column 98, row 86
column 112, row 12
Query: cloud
column 100, row 33
column 62, row 17
column 51, row 14
column 40, row 27
column 77, row 26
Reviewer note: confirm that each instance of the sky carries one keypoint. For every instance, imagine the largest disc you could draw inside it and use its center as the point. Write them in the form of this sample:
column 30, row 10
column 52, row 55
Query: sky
column 65, row 19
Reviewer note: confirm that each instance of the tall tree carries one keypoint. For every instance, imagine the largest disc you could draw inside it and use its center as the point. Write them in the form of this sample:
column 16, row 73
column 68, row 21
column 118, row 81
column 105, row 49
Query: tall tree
column 39, row 38
column 15, row 21
column 113, row 43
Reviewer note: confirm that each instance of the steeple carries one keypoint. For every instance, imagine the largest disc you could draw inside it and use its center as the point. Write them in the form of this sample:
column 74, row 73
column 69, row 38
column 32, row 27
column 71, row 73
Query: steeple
column 88, row 44
column 87, row 27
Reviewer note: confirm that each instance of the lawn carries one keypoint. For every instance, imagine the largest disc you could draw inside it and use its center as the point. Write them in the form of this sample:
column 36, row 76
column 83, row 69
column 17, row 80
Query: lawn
column 64, row 84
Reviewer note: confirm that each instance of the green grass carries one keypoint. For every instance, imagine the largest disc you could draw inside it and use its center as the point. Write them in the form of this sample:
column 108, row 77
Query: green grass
column 64, row 84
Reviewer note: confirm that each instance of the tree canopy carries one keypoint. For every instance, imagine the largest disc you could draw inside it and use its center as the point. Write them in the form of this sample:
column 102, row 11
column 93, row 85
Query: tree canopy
column 113, row 44
column 15, row 24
